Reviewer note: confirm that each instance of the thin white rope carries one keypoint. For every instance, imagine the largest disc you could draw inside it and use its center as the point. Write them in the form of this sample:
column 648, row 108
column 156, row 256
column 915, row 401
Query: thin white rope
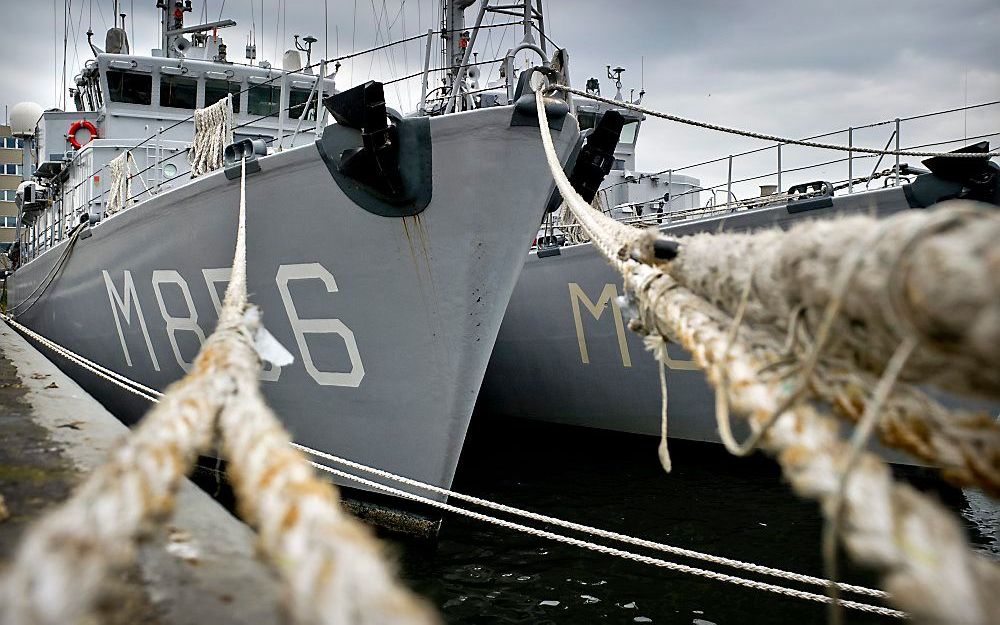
column 587, row 529
column 138, row 175
column 128, row 384
column 627, row 555
column 152, row 395
column 766, row 137
column 656, row 344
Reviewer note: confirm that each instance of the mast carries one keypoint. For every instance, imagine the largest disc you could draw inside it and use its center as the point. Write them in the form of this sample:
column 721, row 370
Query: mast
column 455, row 36
column 458, row 45
column 171, row 20
column 174, row 44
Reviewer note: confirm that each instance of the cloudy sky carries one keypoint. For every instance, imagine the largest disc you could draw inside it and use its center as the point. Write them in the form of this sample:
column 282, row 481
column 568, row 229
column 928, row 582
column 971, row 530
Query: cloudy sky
column 788, row 67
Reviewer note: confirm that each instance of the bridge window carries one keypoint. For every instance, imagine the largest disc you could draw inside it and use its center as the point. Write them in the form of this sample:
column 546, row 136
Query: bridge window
column 264, row 100
column 215, row 90
column 587, row 120
column 297, row 102
column 178, row 92
column 129, row 88
column 629, row 132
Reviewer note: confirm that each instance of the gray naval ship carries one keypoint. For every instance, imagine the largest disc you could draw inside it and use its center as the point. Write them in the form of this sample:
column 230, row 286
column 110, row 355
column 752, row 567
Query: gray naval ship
column 382, row 249
column 564, row 353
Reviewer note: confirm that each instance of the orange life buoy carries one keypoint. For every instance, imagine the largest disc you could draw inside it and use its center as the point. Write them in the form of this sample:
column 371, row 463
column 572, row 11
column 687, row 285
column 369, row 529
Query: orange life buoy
column 76, row 127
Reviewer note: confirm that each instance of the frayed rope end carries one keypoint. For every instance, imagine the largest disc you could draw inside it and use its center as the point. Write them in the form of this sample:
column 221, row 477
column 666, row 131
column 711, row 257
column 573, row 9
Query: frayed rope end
column 664, row 455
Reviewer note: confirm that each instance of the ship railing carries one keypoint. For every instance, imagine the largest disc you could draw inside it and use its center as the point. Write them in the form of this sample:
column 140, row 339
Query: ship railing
column 864, row 171
column 157, row 152
column 38, row 242
column 713, row 209
column 891, row 176
column 854, row 172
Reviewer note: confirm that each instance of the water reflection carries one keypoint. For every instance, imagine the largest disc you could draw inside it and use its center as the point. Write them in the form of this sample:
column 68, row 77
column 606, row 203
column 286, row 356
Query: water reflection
column 711, row 502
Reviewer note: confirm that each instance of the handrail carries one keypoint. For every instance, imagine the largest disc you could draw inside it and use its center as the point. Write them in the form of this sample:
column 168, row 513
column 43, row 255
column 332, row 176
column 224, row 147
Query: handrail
column 440, row 69
column 281, row 73
column 818, row 136
column 800, row 168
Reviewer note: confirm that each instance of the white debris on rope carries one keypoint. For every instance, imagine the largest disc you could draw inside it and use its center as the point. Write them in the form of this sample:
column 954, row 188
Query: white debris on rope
column 332, row 567
column 213, row 131
column 928, row 568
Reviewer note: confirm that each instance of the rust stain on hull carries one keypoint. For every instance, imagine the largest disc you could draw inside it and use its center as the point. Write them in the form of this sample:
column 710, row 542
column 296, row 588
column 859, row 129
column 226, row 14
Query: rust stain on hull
column 419, row 244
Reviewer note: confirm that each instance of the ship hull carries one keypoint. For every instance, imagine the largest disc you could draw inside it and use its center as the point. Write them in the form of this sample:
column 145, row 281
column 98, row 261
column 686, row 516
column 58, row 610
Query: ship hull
column 565, row 354
column 390, row 320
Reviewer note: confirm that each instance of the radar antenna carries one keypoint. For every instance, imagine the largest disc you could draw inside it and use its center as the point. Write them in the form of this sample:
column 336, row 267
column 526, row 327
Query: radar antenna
column 309, row 41
column 616, row 75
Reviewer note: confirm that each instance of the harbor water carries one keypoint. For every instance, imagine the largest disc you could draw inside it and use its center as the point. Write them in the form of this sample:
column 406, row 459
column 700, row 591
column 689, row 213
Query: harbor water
column 711, row 502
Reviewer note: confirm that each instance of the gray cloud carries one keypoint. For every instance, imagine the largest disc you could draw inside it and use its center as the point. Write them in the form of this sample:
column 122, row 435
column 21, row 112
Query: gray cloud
column 786, row 67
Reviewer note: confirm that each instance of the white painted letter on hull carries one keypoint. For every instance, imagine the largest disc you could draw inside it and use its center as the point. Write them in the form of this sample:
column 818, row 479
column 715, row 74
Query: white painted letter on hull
column 174, row 324
column 124, row 306
column 269, row 372
column 608, row 296
column 302, row 327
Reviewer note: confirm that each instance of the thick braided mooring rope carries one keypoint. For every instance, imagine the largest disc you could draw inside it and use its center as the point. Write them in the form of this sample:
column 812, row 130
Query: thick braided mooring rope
column 332, row 567
column 120, row 192
column 62, row 561
column 921, row 550
column 213, row 131
column 927, row 276
column 932, row 274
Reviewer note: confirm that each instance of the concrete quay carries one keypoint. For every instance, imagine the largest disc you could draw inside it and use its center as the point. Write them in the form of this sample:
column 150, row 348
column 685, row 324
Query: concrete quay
column 200, row 567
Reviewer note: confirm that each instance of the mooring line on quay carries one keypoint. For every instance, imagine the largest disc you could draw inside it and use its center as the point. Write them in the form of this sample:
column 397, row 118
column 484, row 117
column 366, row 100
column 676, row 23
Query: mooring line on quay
column 331, row 567
column 154, row 396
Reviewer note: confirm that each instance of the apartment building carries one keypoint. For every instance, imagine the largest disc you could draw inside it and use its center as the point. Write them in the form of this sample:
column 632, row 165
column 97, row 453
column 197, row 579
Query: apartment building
column 10, row 177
